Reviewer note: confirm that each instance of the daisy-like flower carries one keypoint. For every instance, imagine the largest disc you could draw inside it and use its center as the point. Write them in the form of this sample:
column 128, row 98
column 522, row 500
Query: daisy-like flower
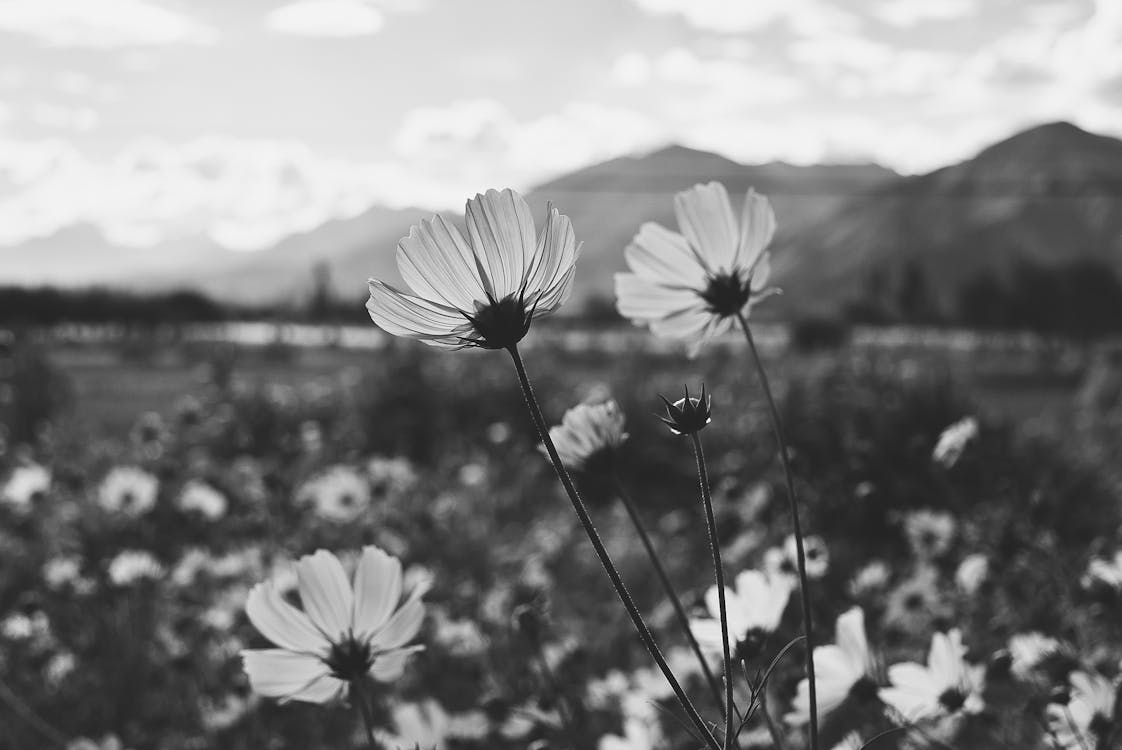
column 843, row 669
column 1087, row 719
column 1028, row 650
column 338, row 494
column 785, row 561
column 953, row 441
column 132, row 566
column 946, row 686
column 1104, row 573
column 25, row 484
column 851, row 741
column 485, row 290
column 929, row 533
column 344, row 633
column 972, row 573
column 754, row 611
column 588, row 435
column 692, row 286
column 200, row 497
column 128, row 490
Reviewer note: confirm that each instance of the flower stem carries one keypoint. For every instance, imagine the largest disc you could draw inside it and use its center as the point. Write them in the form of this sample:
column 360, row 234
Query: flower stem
column 660, row 571
column 800, row 552
column 719, row 575
column 602, row 552
column 9, row 698
column 364, row 708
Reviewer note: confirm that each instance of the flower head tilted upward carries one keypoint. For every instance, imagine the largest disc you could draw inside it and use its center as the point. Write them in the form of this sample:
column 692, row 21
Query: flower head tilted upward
column 485, row 290
column 345, row 633
column 692, row 286
column 588, row 435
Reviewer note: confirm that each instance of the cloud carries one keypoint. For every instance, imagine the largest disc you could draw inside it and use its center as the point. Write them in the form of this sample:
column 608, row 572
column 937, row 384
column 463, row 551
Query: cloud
column 711, row 84
column 103, row 24
column 735, row 17
column 326, row 18
column 908, row 13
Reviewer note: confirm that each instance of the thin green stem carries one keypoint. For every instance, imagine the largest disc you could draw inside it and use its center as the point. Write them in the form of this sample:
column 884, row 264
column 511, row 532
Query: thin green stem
column 800, row 552
column 359, row 691
column 719, row 575
column 602, row 552
column 660, row 571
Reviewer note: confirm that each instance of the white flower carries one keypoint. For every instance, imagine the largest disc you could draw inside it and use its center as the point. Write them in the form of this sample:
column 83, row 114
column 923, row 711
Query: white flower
column 339, row 494
column 24, row 483
column 1028, row 650
column 692, row 287
column 108, row 742
column 754, row 611
column 588, row 432
column 1088, row 718
column 128, row 490
column 870, row 578
column 344, row 634
column 1104, row 572
column 972, row 573
column 638, row 734
column 59, row 667
column 851, row 741
column 428, row 725
column 484, row 291
column 200, row 497
column 131, row 566
column 816, row 553
column 842, row 669
column 945, row 686
column 391, row 474
column 953, row 441
column 929, row 533
column 59, row 571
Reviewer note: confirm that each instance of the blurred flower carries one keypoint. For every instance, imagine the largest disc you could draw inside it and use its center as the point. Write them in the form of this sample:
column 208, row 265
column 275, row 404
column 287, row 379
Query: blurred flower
column 338, row 494
column 247, row 479
column 953, row 441
column 24, row 484
column 390, row 475
column 198, row 496
column 148, row 434
column 108, row 742
column 872, row 577
column 59, row 571
column 223, row 713
column 484, row 294
column 460, row 637
column 1087, row 719
column 59, row 667
column 344, row 634
column 816, row 552
column 754, row 610
column 472, row 474
column 945, row 686
column 929, row 533
column 428, row 725
column 916, row 602
column 844, row 669
column 638, row 734
column 1106, row 573
column 851, row 741
column 692, row 287
column 131, row 566
column 588, row 435
column 1028, row 650
column 311, row 436
column 689, row 414
column 971, row 573
column 128, row 490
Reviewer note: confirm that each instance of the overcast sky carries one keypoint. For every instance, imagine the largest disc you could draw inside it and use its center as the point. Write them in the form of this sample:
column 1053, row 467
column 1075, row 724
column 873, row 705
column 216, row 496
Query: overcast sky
column 249, row 119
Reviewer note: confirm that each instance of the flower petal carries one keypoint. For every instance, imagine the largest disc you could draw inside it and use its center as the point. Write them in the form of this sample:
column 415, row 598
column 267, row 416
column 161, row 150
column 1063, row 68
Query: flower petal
column 662, row 255
column 403, row 314
column 850, row 637
column 706, row 219
column 643, row 300
column 277, row 673
column 436, row 262
column 377, row 590
column 325, row 592
column 402, row 627
column 757, row 227
column 501, row 229
column 388, row 667
column 322, row 690
column 554, row 256
column 280, row 622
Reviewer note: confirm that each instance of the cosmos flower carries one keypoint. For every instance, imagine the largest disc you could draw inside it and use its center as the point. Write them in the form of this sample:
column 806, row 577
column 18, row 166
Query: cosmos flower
column 1104, row 572
column 784, row 560
column 338, row 494
column 916, row 602
column 1029, row 650
column 692, row 286
column 480, row 292
column 638, row 734
column 754, row 611
column 344, row 633
column 689, row 414
column 200, row 497
column 1087, row 719
column 929, row 533
column 971, row 573
column 109, row 742
column 946, row 686
column 843, row 669
column 128, row 490
column 132, row 566
column 588, row 434
column 953, row 441
column 870, row 578
column 851, row 741
column 25, row 484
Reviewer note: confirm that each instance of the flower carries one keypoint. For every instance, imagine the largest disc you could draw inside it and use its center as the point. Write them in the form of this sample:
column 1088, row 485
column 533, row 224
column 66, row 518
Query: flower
column 971, row 573
column 693, row 287
column 754, row 610
column 59, row 571
column 638, row 734
column 339, row 494
column 953, row 441
column 929, row 533
column 128, row 490
column 872, row 577
column 843, row 669
column 25, row 484
column 851, row 741
column 945, row 686
column 588, row 434
column 1088, row 717
column 202, row 498
column 484, row 293
column 1028, row 650
column 1106, row 573
column 688, row 415
column 108, row 742
column 916, row 602
column 131, row 566
column 814, row 549
column 391, row 475
column 344, row 633
column 428, row 725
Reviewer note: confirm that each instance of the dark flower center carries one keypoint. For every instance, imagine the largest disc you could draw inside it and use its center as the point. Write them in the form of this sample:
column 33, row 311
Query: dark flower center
column 127, row 499
column 501, row 324
column 727, row 294
column 952, row 699
column 913, row 602
column 1100, row 726
column 864, row 690
column 349, row 659
column 750, row 645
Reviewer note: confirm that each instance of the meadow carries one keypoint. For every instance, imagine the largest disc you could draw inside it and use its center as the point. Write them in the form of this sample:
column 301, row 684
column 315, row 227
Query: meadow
column 172, row 478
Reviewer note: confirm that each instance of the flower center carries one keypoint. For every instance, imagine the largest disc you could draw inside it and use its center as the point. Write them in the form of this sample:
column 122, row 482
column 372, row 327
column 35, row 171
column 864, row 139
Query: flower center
column 349, row 659
column 501, row 324
column 952, row 699
column 864, row 690
column 727, row 294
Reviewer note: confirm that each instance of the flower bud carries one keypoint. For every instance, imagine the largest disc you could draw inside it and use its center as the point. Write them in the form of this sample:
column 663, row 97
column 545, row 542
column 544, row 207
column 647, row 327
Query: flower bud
column 688, row 415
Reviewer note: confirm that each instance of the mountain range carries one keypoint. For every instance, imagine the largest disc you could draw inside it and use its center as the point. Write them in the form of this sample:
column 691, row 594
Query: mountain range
column 1048, row 196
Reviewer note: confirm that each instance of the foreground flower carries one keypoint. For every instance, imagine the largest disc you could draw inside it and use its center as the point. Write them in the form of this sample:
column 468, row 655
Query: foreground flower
column 754, row 611
column 484, row 291
column 947, row 685
column 1087, row 719
column 844, row 669
column 693, row 287
column 128, row 490
column 344, row 634
column 588, row 435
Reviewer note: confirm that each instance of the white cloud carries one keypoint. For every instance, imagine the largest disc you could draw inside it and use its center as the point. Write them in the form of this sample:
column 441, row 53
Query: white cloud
column 738, row 16
column 908, row 13
column 101, row 24
column 326, row 18
column 711, row 84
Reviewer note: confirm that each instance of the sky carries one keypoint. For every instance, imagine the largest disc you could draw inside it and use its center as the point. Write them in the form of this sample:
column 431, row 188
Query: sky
column 247, row 120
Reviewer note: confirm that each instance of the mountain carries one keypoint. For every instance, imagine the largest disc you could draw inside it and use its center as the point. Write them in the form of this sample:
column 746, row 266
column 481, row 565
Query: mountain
column 1048, row 197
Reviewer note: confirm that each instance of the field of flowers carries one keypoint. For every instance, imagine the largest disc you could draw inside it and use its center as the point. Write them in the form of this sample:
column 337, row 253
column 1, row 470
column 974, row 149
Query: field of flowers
column 384, row 557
